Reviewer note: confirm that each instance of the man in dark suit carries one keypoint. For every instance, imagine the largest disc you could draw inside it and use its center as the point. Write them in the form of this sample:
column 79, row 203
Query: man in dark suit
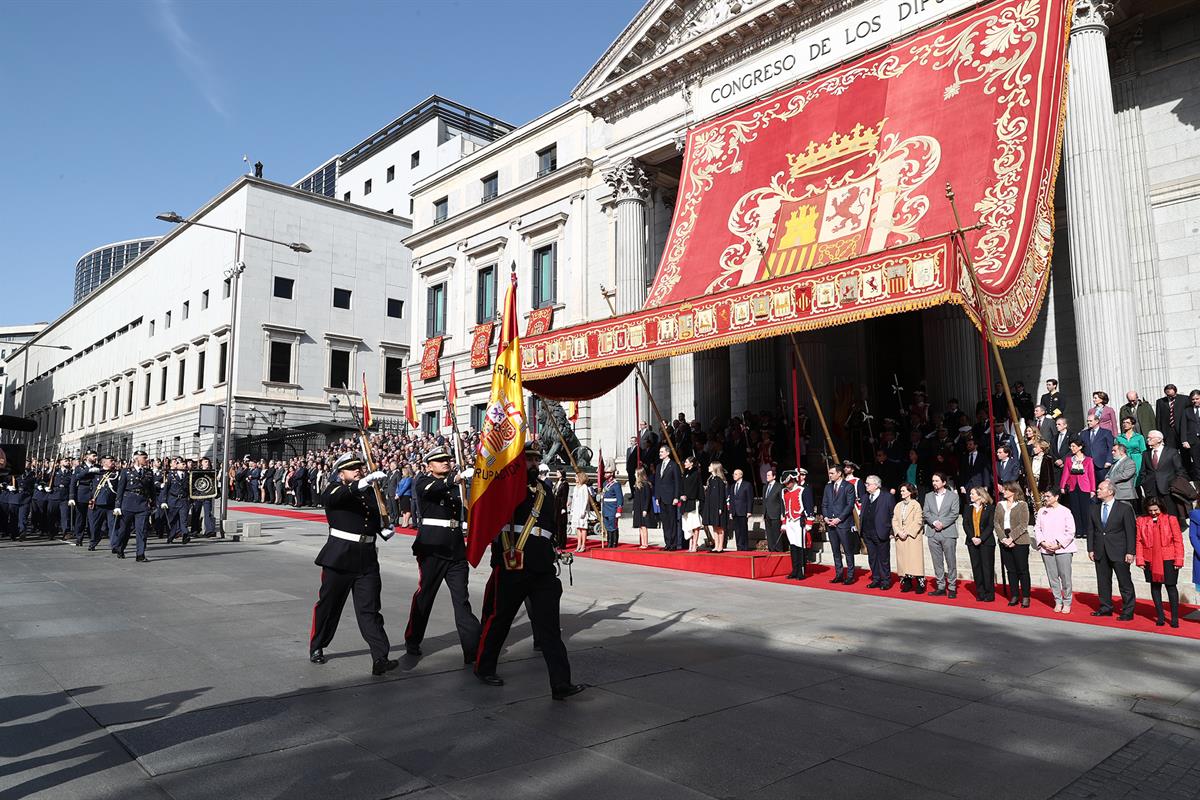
column 633, row 460
column 741, row 499
column 876, row 526
column 1022, row 400
column 666, row 491
column 1112, row 540
column 1008, row 468
column 837, row 508
column 772, row 500
column 974, row 469
column 1097, row 445
column 1060, row 446
column 1160, row 466
column 1168, row 416
column 1191, row 434
column 1043, row 423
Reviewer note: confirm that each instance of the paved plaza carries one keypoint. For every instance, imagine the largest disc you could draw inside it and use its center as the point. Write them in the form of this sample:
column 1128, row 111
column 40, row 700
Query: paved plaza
column 187, row 678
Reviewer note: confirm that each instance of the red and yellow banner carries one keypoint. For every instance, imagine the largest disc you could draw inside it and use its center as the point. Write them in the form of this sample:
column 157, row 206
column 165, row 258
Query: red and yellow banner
column 451, row 400
column 430, row 357
column 540, row 320
column 825, row 203
column 499, row 483
column 481, row 344
column 366, row 414
column 410, row 402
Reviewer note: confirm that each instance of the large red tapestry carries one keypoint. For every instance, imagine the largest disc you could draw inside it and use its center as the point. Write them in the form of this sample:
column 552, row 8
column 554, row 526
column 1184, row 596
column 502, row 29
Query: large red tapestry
column 825, row 203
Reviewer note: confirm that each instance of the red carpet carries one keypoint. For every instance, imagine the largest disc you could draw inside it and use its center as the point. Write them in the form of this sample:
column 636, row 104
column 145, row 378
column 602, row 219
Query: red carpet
column 761, row 565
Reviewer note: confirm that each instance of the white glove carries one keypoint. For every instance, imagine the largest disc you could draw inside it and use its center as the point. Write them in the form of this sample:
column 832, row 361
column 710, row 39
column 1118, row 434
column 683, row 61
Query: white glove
column 387, row 533
column 71, row 503
column 11, row 488
column 116, row 512
column 374, row 477
column 163, row 506
column 94, row 470
column 466, row 474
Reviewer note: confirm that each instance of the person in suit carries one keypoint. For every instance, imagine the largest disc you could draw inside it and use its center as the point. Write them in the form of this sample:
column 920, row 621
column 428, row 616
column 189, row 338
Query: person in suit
column 1008, row 468
column 1022, row 400
column 772, row 505
column 1140, row 411
column 837, row 507
column 741, row 501
column 1112, row 545
column 974, row 469
column 1123, row 474
column 1168, row 416
column 633, row 460
column 1060, row 446
column 1162, row 467
column 876, row 527
column 1191, row 434
column 1043, row 423
column 1010, row 524
column 667, row 491
column 940, row 512
column 979, row 528
column 1052, row 400
column 1160, row 555
column 1097, row 445
column 714, row 505
column 1078, row 483
column 888, row 470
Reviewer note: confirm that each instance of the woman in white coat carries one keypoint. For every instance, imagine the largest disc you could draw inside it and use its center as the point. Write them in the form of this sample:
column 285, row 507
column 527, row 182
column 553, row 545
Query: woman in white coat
column 579, row 506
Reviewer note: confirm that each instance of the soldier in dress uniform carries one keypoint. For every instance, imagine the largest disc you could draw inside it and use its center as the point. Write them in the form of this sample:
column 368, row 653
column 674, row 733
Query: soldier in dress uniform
column 441, row 554
column 203, row 509
column 79, row 493
column 137, row 491
column 101, row 505
column 8, row 507
column 25, row 483
column 525, row 566
column 174, row 500
column 58, row 517
column 349, row 563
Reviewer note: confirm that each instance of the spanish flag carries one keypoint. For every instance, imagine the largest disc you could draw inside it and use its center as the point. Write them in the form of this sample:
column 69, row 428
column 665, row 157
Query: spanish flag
column 499, row 483
column 410, row 402
column 573, row 411
column 366, row 420
column 451, row 400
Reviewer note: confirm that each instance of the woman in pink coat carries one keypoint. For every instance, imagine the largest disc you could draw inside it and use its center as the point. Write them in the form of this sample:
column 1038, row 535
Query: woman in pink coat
column 1102, row 411
column 1079, row 485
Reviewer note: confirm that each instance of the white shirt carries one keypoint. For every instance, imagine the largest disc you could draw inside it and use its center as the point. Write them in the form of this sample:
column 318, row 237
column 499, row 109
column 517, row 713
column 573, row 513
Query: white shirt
column 938, row 498
column 1007, row 506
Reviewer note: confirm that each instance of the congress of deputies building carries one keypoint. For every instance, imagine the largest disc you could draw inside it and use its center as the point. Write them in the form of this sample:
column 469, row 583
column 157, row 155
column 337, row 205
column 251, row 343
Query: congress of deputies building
column 414, row 231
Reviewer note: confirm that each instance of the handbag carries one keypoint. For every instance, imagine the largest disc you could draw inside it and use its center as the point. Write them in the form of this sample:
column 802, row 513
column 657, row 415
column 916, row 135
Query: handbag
column 1182, row 487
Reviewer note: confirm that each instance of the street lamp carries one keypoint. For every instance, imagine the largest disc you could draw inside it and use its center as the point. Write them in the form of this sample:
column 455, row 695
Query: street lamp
column 233, row 274
column 25, row 374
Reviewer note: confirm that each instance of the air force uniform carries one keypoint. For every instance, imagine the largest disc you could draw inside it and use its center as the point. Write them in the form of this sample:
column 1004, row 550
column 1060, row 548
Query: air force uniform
column 137, row 492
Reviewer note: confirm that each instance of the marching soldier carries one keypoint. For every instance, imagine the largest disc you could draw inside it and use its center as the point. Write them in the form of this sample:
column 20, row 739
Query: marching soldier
column 174, row 500
column 349, row 563
column 57, row 512
column 8, row 508
column 136, row 494
column 203, row 509
column 79, row 494
column 101, row 505
column 525, row 566
column 441, row 554
column 25, row 484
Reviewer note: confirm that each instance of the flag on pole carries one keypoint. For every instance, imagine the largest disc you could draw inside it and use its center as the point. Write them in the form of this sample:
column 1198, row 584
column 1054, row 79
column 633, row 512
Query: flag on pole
column 366, row 419
column 573, row 411
column 600, row 472
column 499, row 483
column 451, row 399
column 410, row 402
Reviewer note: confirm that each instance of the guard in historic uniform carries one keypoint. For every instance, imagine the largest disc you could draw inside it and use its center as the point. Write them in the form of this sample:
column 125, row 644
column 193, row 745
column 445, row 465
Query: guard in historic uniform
column 350, row 564
column 441, row 554
column 137, row 493
column 101, row 505
column 525, row 566
column 83, row 481
column 174, row 500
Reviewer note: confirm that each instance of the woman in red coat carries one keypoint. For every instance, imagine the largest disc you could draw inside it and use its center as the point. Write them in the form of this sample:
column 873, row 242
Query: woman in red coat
column 1160, row 553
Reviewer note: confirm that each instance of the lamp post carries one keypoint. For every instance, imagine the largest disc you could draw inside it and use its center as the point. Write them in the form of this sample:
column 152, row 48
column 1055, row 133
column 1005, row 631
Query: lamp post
column 234, row 274
column 25, row 374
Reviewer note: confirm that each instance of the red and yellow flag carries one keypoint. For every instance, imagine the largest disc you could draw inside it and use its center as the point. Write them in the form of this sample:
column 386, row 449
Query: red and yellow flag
column 410, row 402
column 499, row 483
column 573, row 411
column 366, row 419
column 451, row 399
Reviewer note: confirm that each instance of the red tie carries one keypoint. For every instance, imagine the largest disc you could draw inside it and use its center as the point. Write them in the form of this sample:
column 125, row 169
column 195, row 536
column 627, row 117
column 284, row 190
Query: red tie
column 1154, row 459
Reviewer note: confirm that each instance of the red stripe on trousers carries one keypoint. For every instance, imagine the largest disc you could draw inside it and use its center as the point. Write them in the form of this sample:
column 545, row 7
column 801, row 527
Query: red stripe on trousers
column 489, row 589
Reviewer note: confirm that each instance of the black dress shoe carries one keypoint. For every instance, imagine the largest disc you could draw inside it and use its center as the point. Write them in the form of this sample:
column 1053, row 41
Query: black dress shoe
column 383, row 665
column 1101, row 613
column 413, row 649
column 1024, row 602
column 1125, row 617
column 837, row 578
column 1174, row 623
column 800, row 577
column 491, row 680
column 120, row 555
column 91, row 547
column 951, row 595
column 141, row 559
column 874, row 584
column 1012, row 601
column 1160, row 622
column 919, row 586
column 187, row 539
column 317, row 656
column 566, row 691
column 938, row 593
column 885, row 586
column 791, row 576
column 850, row 579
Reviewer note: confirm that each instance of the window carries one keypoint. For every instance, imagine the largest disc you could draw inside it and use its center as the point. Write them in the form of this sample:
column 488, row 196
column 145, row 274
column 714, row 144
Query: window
column 222, row 360
column 72, row 417
column 341, row 298
column 117, row 401
column 281, row 363
column 346, row 197
column 162, row 387
column 395, row 308
column 415, row 160
column 366, row 187
column 180, row 382
column 167, row 321
column 477, row 413
column 544, row 277
column 204, row 300
column 491, row 187
column 200, row 359
column 283, row 288
column 151, row 330
column 412, row 204
column 441, row 209
column 129, row 397
column 393, row 375
column 187, row 309
column 435, row 320
column 547, row 160
column 339, row 369
column 485, row 294
column 225, row 288
column 103, row 406
column 391, row 173
column 146, row 394
column 429, row 422
column 92, row 413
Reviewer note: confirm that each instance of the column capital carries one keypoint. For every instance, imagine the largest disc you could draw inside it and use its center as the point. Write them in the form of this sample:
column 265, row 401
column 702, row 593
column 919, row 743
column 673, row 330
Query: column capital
column 1092, row 16
column 629, row 181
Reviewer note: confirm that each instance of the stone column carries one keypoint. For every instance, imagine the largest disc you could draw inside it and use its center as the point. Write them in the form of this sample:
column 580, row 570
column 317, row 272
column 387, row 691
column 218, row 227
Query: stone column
column 711, row 371
column 1098, row 232
column 631, row 189
column 683, row 386
column 953, row 359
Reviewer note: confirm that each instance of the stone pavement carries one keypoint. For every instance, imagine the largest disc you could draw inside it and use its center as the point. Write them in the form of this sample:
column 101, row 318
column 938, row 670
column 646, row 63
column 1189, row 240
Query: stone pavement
column 187, row 678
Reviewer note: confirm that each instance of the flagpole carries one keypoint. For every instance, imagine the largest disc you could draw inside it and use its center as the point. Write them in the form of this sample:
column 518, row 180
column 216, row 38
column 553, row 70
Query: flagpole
column 574, row 466
column 458, row 451
column 365, row 441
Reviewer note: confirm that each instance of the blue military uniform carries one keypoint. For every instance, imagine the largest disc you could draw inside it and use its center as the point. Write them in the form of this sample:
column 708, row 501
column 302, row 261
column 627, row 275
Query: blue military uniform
column 611, row 502
column 101, row 502
column 57, row 512
column 83, row 482
column 8, row 508
column 25, row 490
column 174, row 495
column 137, row 491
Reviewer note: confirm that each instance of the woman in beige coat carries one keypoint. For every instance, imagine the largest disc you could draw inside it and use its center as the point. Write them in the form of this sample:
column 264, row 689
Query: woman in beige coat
column 909, row 532
column 1011, row 523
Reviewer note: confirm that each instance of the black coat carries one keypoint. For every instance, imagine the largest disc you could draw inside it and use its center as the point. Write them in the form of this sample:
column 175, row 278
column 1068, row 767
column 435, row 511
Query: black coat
column 1157, row 482
column 741, row 498
column 643, row 507
column 773, row 500
column 540, row 556
column 714, row 508
column 354, row 511
column 438, row 499
column 1118, row 538
column 986, row 522
column 666, row 484
column 690, row 487
column 1172, row 434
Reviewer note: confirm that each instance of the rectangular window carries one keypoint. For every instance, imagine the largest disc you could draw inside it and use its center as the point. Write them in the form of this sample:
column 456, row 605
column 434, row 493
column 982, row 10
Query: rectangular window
column 346, row 197
column 222, row 360
column 429, row 422
column 283, row 288
column 339, row 369
column 162, row 387
column 491, row 187
column 200, row 359
column 415, row 160
column 129, row 397
column 485, row 294
column 477, row 412
column 281, row 363
column 441, row 209
column 117, row 401
column 151, row 329
column 204, row 300
column 92, row 413
column 103, row 406
column 341, row 298
column 545, row 279
column 395, row 308
column 393, row 375
column 187, row 309
column 391, row 174
column 435, row 319
column 411, row 205
column 547, row 160
column 167, row 321
column 146, row 393
column 179, row 384
column 72, row 417
column 366, row 187
column 225, row 288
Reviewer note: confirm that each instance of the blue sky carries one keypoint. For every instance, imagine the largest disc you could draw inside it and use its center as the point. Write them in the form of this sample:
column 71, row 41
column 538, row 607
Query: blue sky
column 114, row 111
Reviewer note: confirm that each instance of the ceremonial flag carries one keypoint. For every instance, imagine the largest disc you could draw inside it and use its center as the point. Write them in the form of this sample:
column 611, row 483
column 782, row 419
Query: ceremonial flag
column 600, row 471
column 451, row 399
column 499, row 483
column 366, row 420
column 410, row 402
column 573, row 411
